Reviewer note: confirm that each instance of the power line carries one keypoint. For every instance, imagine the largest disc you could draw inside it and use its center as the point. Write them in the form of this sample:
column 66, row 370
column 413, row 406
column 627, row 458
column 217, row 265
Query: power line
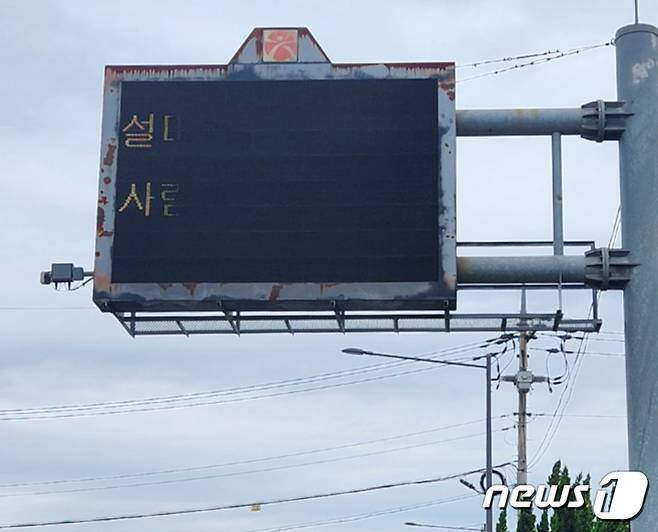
column 200, row 398
column 573, row 337
column 198, row 395
column 595, row 339
column 544, row 57
column 189, row 511
column 443, row 527
column 227, row 391
column 604, row 354
column 508, row 59
column 583, row 416
column 249, row 461
column 591, row 353
column 363, row 516
column 567, row 391
column 561, row 406
column 216, row 402
column 252, row 471
column 612, row 333
column 531, row 55
column 42, row 309
column 615, row 227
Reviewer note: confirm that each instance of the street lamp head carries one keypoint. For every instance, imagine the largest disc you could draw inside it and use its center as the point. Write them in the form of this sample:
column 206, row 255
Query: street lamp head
column 354, row 351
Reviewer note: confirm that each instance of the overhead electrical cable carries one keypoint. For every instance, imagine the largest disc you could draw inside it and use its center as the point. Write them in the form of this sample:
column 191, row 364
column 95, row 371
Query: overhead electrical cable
column 445, row 527
column 53, row 309
column 229, row 395
column 539, row 59
column 239, row 389
column 294, row 454
column 592, row 338
column 560, row 408
column 580, row 416
column 74, row 414
column 244, row 462
column 198, row 510
column 567, row 391
column 590, row 353
column 363, row 516
column 531, row 55
column 250, row 471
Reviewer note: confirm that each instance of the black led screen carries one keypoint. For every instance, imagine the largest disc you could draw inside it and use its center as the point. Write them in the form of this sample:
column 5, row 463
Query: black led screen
column 322, row 181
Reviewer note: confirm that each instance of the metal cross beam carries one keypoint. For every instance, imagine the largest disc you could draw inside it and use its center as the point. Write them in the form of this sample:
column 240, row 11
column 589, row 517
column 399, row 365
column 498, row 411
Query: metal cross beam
column 597, row 120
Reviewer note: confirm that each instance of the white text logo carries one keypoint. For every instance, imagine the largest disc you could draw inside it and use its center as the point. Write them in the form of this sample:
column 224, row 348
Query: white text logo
column 620, row 497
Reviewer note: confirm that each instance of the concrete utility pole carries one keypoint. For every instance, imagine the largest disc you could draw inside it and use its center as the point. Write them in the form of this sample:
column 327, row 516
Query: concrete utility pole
column 523, row 380
column 637, row 86
column 522, row 433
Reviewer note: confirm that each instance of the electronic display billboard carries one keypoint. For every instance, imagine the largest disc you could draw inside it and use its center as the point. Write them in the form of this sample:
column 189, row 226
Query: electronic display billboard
column 277, row 186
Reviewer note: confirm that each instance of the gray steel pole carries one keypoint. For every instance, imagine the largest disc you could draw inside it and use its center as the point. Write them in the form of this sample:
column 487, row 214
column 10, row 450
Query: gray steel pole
column 489, row 472
column 558, row 218
column 637, row 85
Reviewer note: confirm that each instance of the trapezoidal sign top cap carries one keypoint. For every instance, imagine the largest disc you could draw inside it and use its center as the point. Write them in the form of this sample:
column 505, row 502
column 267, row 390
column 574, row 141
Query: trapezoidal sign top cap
column 280, row 45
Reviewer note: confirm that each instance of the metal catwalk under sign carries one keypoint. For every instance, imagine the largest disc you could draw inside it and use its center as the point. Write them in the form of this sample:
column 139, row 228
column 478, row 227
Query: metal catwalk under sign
column 146, row 324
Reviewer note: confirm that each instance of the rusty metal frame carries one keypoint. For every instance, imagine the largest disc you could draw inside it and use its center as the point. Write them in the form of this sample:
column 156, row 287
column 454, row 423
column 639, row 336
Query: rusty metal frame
column 238, row 323
column 247, row 65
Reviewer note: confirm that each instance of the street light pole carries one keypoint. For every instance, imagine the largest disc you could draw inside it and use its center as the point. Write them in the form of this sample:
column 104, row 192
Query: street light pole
column 487, row 368
column 489, row 460
column 489, row 444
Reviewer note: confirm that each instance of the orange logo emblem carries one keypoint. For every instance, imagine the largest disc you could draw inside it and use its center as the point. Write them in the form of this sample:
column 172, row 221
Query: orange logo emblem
column 280, row 46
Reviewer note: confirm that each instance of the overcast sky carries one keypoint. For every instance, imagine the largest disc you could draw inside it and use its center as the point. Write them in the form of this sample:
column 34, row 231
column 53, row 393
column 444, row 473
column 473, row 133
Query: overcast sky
column 58, row 349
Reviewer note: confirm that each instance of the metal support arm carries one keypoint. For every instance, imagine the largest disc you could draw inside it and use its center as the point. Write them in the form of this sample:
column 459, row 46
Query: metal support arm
column 599, row 268
column 596, row 121
column 518, row 270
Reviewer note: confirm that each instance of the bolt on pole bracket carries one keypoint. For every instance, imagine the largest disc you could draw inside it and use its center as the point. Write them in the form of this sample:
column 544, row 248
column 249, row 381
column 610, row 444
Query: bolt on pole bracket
column 607, row 268
column 603, row 120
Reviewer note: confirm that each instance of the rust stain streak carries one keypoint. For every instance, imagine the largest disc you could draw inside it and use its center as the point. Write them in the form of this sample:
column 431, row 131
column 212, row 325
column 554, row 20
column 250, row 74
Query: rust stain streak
column 100, row 223
column 304, row 33
column 109, row 154
column 253, row 35
column 145, row 69
column 101, row 282
column 441, row 66
column 191, row 287
column 275, row 292
column 326, row 286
